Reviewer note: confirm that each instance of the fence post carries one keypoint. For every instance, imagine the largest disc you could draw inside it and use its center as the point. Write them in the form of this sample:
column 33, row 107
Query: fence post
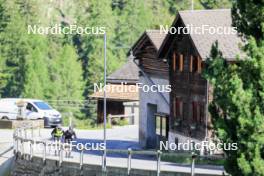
column 44, row 152
column 60, row 156
column 129, row 161
column 193, row 164
column 17, row 145
column 158, row 162
column 103, row 165
column 31, row 149
column 81, row 159
column 22, row 148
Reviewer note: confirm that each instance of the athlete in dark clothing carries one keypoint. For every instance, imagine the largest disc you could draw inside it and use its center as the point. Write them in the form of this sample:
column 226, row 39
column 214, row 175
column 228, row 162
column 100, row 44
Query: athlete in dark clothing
column 69, row 135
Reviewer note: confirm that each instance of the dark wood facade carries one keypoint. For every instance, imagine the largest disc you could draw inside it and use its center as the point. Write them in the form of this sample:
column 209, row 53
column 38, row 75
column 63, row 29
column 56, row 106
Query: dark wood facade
column 188, row 107
column 112, row 107
column 149, row 62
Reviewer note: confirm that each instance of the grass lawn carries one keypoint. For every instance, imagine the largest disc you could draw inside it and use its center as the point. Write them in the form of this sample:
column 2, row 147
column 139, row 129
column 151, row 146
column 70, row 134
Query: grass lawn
column 186, row 159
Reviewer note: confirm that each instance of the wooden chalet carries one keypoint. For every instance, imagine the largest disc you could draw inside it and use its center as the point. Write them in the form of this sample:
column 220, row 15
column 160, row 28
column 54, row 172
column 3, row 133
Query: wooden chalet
column 123, row 103
column 186, row 54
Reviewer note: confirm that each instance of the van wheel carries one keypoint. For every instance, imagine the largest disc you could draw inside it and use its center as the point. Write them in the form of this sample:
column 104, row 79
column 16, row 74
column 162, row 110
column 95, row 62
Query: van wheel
column 5, row 118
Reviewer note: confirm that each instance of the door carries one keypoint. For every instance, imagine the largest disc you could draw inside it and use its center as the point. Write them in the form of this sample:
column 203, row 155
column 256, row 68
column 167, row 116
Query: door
column 31, row 112
column 151, row 126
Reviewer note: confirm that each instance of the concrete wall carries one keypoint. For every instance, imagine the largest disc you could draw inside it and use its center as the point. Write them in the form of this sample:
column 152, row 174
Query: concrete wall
column 150, row 98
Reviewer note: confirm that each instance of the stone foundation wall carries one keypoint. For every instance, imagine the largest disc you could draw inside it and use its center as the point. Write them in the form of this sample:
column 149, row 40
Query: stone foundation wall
column 11, row 124
column 36, row 167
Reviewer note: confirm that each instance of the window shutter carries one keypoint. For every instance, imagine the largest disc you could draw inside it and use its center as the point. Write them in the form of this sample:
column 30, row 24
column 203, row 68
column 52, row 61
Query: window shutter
column 191, row 63
column 181, row 63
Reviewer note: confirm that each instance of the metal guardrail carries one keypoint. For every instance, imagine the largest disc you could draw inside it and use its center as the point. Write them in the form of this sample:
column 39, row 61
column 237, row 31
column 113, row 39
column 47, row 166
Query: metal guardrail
column 21, row 136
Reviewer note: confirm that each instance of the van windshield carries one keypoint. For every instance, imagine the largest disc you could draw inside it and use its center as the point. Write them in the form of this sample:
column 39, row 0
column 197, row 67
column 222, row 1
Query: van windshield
column 42, row 105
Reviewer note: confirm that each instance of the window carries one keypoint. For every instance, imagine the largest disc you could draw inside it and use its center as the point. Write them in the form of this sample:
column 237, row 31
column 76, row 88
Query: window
column 31, row 108
column 196, row 64
column 42, row 105
column 177, row 62
column 181, row 63
column 162, row 125
column 191, row 63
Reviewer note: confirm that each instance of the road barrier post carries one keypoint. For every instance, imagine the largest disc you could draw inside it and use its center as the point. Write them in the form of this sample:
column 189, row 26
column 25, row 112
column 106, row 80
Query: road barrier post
column 158, row 162
column 193, row 164
column 104, row 163
column 31, row 149
column 16, row 141
column 22, row 148
column 129, row 161
column 60, row 156
column 81, row 159
column 44, row 152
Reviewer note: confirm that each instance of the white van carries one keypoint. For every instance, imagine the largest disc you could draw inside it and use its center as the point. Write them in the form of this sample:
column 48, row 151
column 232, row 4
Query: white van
column 34, row 109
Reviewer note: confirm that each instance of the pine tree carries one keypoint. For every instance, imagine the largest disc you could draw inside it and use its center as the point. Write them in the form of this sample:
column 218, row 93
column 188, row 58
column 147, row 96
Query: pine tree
column 37, row 79
column 248, row 17
column 66, row 76
column 237, row 108
column 14, row 50
column 216, row 4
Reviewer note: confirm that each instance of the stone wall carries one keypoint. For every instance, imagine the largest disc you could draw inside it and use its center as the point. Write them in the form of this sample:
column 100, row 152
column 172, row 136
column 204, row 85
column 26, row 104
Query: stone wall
column 36, row 167
column 12, row 124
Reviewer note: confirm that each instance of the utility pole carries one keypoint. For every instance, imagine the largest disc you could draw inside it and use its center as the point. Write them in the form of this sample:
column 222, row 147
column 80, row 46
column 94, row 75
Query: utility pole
column 104, row 155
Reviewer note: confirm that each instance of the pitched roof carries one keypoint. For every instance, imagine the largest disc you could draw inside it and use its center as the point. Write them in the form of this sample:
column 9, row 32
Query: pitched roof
column 228, row 43
column 156, row 37
column 127, row 73
column 119, row 92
